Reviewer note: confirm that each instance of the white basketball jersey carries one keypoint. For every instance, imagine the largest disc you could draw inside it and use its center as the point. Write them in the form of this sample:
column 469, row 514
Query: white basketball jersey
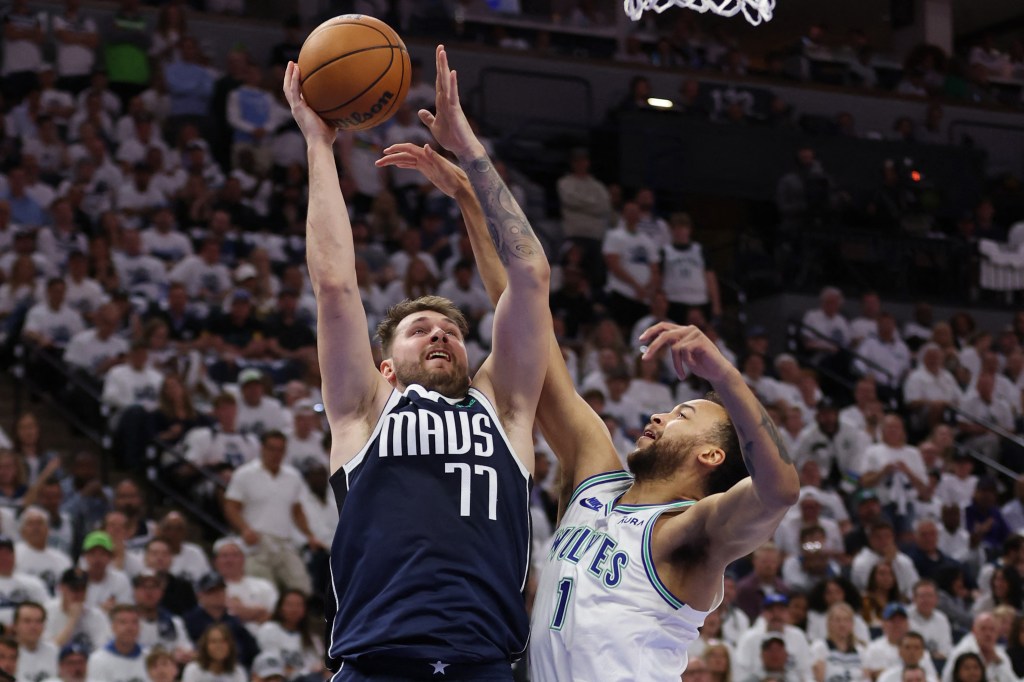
column 601, row 611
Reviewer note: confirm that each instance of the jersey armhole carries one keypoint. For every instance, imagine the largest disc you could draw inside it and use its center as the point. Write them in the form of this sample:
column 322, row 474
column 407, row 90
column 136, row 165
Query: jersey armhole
column 598, row 479
column 649, row 567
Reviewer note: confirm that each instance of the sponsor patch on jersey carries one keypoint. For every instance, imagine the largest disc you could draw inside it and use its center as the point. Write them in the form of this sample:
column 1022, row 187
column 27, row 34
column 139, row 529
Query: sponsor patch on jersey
column 591, row 503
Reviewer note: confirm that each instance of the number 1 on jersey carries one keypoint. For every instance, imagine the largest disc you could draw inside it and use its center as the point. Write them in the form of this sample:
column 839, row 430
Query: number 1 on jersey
column 464, row 496
column 564, row 594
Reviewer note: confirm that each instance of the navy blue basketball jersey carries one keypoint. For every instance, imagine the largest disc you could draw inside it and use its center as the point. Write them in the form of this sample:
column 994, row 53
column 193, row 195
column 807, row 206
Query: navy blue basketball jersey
column 430, row 556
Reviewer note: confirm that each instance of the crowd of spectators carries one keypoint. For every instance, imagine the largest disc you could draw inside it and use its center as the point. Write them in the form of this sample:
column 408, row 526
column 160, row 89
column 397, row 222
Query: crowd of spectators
column 152, row 208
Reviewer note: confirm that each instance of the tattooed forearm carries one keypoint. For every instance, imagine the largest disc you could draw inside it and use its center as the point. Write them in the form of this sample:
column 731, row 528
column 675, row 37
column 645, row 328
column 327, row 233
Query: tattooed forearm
column 773, row 432
column 510, row 230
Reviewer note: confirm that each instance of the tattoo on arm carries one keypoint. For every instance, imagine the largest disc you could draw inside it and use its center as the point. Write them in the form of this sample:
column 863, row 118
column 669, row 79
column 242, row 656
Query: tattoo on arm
column 773, row 432
column 747, row 449
column 510, row 230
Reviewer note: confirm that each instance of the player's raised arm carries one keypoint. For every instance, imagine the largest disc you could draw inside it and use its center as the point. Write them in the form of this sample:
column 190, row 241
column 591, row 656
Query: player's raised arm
column 737, row 521
column 576, row 434
column 351, row 384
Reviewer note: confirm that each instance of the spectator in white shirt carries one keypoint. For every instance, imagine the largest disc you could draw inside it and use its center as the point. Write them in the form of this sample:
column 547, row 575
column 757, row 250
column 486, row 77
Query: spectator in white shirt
column 776, row 616
column 122, row 659
column 465, row 292
column 983, row 404
column 929, row 621
column 250, row 599
column 263, row 503
column 84, row 294
column 1013, row 511
column 163, row 240
column 94, row 351
column 107, row 585
column 158, row 627
column 930, row 389
column 913, row 658
column 258, row 413
column 204, row 275
column 189, row 562
column 34, row 557
column 866, row 412
column 836, row 446
column 306, row 440
column 865, row 326
column 833, row 331
column 897, row 470
column 139, row 273
column 884, row 356
column 634, row 273
column 957, row 485
column 51, row 323
column 132, row 384
column 983, row 640
column 68, row 618
column 884, row 652
column 37, row 657
column 882, row 547
column 15, row 586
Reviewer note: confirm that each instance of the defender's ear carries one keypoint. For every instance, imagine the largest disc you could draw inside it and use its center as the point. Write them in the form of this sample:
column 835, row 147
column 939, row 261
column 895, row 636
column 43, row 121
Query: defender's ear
column 387, row 369
column 711, row 456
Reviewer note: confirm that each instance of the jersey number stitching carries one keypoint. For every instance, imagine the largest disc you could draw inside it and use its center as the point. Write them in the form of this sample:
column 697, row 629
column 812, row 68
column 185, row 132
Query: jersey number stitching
column 564, row 591
column 464, row 497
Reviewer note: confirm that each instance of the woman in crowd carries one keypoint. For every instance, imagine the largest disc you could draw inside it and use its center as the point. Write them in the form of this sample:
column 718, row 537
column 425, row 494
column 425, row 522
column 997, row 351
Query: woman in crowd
column 175, row 414
column 718, row 656
column 968, row 668
column 289, row 632
column 882, row 589
column 839, row 655
column 28, row 448
column 1005, row 588
column 160, row 666
column 825, row 595
column 21, row 289
column 216, row 658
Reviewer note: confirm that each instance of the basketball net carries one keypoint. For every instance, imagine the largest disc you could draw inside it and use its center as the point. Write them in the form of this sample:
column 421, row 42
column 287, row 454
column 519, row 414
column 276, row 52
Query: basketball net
column 755, row 11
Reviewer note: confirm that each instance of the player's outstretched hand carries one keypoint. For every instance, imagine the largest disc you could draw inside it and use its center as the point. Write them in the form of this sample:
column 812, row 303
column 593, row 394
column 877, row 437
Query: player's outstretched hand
column 691, row 351
column 444, row 174
column 449, row 125
column 313, row 128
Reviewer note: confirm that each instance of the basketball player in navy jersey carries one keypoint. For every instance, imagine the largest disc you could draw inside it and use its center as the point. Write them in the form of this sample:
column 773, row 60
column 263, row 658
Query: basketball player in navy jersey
column 638, row 560
column 431, row 470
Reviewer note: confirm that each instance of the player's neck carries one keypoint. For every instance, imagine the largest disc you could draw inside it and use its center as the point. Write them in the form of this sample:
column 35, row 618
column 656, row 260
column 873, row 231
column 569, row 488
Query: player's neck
column 660, row 491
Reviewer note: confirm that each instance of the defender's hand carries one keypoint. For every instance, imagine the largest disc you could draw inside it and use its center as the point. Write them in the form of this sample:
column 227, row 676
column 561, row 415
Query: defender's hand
column 444, row 174
column 449, row 126
column 313, row 128
column 691, row 350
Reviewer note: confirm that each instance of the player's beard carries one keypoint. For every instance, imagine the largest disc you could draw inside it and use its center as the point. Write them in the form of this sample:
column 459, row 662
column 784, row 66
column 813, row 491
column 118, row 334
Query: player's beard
column 452, row 382
column 660, row 460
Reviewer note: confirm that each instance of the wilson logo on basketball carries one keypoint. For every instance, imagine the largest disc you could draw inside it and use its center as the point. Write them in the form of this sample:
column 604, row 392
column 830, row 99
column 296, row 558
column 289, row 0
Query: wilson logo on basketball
column 356, row 117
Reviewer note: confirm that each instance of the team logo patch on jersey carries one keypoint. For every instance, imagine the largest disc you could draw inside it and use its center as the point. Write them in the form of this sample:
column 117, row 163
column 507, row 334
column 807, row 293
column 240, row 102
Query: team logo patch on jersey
column 591, row 503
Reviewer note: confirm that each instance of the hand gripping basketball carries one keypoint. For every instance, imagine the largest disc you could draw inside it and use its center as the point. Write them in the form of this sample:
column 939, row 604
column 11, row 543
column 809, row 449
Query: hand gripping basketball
column 313, row 128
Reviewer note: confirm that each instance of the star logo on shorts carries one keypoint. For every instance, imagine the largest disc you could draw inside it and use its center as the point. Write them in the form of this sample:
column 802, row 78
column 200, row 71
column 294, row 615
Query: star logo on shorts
column 439, row 667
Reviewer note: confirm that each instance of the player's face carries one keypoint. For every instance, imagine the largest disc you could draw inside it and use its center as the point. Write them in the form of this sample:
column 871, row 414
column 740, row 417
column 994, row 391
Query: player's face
column 429, row 350
column 671, row 436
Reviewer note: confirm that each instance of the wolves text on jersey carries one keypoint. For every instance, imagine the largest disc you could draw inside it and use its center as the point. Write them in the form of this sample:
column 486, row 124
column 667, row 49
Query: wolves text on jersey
column 574, row 544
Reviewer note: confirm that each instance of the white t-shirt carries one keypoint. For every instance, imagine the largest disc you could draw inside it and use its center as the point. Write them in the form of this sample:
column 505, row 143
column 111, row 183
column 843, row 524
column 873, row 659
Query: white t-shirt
column 170, row 246
column 684, row 278
column 272, row 637
column 124, row 386
column 46, row 565
column 834, row 328
column 88, row 352
column 74, row 59
column 637, row 253
column 322, row 517
column 57, row 325
column 190, row 563
column 114, row 584
column 266, row 499
column 936, row 630
column 253, row 592
column 106, row 664
column 268, row 415
column 85, row 296
column 93, row 627
column 892, row 356
column 205, row 446
column 954, row 490
column 38, row 664
column 902, row 567
column 840, row 666
column 923, row 385
column 143, row 275
column 17, row 588
column 881, row 654
column 168, row 632
column 896, row 488
column 23, row 55
column 1000, row 670
column 748, row 653
column 193, row 673
column 198, row 276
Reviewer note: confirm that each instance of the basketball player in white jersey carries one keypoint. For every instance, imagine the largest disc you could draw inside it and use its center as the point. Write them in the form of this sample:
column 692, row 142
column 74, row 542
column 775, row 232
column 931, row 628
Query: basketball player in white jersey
column 638, row 560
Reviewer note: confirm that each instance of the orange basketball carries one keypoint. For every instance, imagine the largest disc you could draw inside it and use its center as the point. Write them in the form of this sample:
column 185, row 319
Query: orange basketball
column 355, row 71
